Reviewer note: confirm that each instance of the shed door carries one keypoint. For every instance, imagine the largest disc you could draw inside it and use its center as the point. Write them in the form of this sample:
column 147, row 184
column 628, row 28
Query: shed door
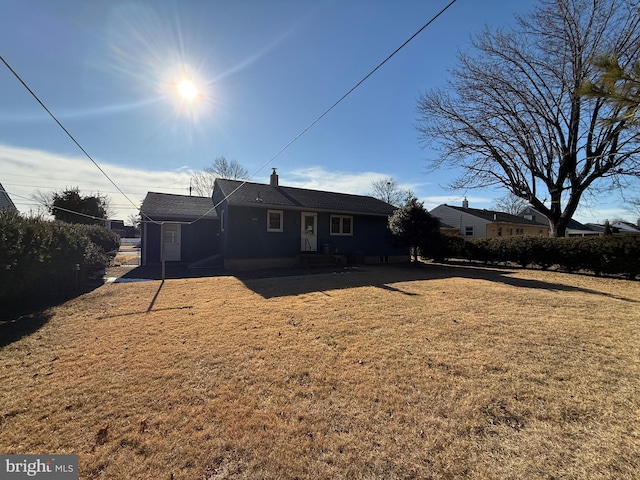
column 171, row 247
column 309, row 233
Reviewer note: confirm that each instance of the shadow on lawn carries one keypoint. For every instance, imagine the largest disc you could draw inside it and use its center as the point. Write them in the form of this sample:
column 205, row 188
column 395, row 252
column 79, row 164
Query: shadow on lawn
column 14, row 329
column 24, row 316
column 264, row 283
column 384, row 276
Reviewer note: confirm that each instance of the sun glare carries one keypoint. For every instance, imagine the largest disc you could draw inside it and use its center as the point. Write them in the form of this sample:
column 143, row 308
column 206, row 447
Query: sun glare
column 187, row 90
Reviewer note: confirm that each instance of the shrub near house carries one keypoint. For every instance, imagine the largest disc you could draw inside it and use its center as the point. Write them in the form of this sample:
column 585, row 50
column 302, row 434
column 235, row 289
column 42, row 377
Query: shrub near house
column 42, row 260
column 612, row 255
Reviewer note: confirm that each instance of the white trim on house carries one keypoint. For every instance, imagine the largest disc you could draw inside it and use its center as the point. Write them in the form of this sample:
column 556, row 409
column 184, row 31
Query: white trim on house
column 342, row 230
column 270, row 228
column 462, row 221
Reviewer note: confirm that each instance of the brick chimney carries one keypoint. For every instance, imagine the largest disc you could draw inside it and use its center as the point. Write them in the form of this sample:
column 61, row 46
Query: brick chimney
column 273, row 180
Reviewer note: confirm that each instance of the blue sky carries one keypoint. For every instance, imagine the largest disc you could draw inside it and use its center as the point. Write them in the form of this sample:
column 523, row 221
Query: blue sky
column 266, row 69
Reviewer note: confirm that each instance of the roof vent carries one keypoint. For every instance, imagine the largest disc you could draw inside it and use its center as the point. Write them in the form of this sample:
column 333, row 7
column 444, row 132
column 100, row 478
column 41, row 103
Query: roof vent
column 465, row 203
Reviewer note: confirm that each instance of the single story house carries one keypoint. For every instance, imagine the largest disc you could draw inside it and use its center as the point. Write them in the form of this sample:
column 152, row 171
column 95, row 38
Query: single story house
column 619, row 227
column 476, row 223
column 574, row 228
column 627, row 228
column 182, row 227
column 252, row 225
column 6, row 204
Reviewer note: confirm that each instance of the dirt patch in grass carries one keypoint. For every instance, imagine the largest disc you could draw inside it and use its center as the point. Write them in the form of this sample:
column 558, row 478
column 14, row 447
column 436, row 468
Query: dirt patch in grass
column 389, row 372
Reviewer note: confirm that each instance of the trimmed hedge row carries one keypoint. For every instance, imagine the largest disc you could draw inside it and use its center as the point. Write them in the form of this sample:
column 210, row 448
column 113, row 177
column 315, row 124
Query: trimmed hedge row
column 42, row 260
column 611, row 254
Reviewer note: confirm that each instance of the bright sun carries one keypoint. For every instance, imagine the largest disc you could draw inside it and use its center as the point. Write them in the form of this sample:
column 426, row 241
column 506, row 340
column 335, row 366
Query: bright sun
column 187, row 90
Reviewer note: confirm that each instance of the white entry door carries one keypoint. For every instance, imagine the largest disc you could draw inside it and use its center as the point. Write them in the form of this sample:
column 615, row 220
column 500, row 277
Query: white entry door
column 171, row 246
column 309, row 233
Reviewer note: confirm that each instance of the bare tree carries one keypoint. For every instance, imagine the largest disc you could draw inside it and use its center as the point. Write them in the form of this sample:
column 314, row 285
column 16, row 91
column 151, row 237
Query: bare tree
column 514, row 115
column 134, row 220
column 510, row 203
column 388, row 190
column 202, row 182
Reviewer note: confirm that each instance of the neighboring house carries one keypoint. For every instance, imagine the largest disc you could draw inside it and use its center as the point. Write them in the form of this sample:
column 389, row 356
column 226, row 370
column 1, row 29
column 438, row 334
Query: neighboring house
column 185, row 227
column 448, row 229
column 627, row 228
column 618, row 228
column 250, row 225
column 476, row 223
column 273, row 226
column 574, row 228
column 118, row 226
column 6, row 204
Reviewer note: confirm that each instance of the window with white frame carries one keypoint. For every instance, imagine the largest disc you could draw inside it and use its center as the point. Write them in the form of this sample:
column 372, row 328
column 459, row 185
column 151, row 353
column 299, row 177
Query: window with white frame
column 341, row 225
column 468, row 231
column 274, row 220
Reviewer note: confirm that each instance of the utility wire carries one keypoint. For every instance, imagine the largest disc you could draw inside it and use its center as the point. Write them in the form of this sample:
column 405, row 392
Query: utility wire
column 24, row 84
column 277, row 154
column 335, row 104
column 54, row 207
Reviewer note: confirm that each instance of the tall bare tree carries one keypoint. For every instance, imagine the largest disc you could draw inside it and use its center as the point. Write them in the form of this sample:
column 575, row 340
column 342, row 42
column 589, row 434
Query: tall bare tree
column 510, row 203
column 514, row 116
column 202, row 182
column 388, row 190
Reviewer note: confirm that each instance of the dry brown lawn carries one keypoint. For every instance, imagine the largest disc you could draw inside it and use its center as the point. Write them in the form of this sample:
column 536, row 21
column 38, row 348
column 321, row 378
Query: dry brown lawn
column 377, row 373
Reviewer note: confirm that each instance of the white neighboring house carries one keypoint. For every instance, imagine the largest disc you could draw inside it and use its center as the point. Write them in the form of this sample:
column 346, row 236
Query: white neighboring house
column 627, row 228
column 574, row 229
column 476, row 223
column 617, row 228
column 5, row 201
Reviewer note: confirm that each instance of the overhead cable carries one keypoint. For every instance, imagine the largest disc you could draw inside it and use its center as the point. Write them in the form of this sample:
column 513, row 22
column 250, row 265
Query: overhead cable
column 335, row 104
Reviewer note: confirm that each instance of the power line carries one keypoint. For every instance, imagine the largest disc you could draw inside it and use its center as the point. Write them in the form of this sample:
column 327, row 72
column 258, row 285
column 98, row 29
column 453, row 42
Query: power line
column 57, row 179
column 277, row 154
column 335, row 104
column 54, row 207
column 63, row 128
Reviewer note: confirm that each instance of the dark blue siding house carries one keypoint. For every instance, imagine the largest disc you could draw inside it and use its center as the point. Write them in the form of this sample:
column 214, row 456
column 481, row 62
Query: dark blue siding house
column 182, row 227
column 276, row 226
column 248, row 225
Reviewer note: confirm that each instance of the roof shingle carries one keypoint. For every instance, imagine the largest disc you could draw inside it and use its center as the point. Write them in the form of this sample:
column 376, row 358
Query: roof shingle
column 5, row 201
column 166, row 206
column 494, row 216
column 253, row 194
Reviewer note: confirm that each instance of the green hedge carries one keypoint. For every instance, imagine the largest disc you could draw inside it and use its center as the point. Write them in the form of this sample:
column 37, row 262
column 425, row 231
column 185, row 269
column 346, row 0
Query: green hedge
column 42, row 260
column 610, row 255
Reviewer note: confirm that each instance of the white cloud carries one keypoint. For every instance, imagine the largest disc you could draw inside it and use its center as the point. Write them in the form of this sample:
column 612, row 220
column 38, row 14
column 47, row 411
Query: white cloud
column 25, row 171
column 318, row 178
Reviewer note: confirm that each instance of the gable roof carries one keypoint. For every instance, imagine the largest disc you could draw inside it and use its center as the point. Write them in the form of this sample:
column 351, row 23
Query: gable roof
column 258, row 194
column 625, row 226
column 497, row 217
column 5, row 201
column 167, row 206
column 572, row 225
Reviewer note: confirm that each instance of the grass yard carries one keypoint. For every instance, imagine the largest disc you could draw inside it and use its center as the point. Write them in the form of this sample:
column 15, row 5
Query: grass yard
column 377, row 373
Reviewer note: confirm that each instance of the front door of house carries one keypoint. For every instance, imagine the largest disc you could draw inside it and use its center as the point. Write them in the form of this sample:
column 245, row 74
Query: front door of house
column 309, row 233
column 171, row 239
